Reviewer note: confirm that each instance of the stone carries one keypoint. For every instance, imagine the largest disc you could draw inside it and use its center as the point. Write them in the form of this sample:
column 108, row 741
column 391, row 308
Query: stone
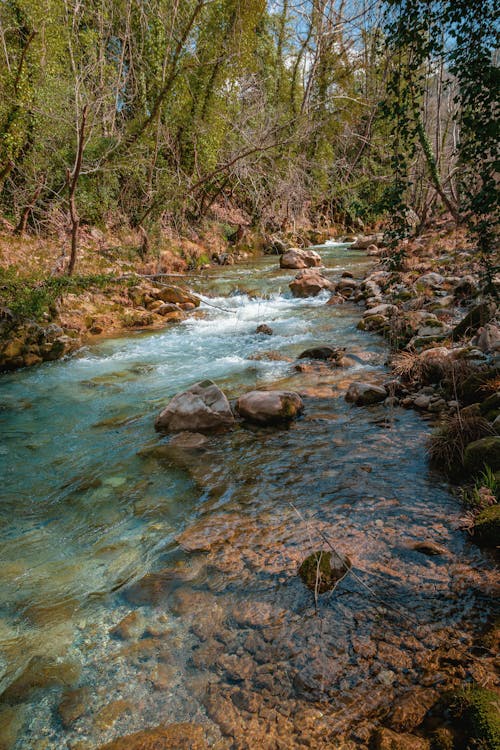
column 491, row 405
column 323, row 352
column 109, row 714
column 202, row 408
column 476, row 318
column 309, row 283
column 466, row 287
column 336, row 299
column 321, row 570
column 163, row 308
column 132, row 626
column 183, row 736
column 12, row 720
column 429, row 548
column 481, row 453
column 364, row 394
column 382, row 309
column 422, row 402
column 297, row 258
column 346, row 286
column 73, row 705
column 363, row 243
column 269, row 407
column 385, row 739
column 487, row 338
column 430, row 280
column 175, row 295
column 190, row 441
column 409, row 711
column 487, row 526
column 265, row 329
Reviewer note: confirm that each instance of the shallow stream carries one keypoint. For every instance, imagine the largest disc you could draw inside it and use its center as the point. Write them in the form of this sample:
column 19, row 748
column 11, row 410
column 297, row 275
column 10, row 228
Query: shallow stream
column 199, row 549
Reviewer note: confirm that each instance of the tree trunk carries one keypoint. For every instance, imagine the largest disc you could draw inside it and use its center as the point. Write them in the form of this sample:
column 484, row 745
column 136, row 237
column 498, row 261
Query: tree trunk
column 71, row 181
column 23, row 221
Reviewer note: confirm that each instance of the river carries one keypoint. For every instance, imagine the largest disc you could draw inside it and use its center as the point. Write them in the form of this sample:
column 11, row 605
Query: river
column 199, row 550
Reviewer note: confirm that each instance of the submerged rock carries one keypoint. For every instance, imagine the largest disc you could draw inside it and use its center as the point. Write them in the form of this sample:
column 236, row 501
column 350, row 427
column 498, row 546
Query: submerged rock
column 323, row 352
column 183, row 736
column 265, row 329
column 269, row 407
column 364, row 394
column 309, row 283
column 297, row 258
column 385, row 739
column 321, row 570
column 202, row 408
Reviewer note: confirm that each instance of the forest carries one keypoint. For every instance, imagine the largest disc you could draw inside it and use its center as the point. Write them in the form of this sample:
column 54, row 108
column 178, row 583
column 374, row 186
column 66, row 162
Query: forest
column 149, row 113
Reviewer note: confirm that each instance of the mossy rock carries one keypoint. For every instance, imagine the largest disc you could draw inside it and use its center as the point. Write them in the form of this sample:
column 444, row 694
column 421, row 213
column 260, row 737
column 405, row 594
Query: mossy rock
column 319, row 572
column 478, row 711
column 476, row 317
column 490, row 408
column 471, row 390
column 442, row 739
column 481, row 453
column 487, row 526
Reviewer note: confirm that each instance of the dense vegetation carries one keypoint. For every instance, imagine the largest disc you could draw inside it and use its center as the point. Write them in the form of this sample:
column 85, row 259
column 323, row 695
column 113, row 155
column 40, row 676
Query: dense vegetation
column 150, row 112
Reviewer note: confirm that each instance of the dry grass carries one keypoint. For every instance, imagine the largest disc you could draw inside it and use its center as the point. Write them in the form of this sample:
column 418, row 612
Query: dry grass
column 448, row 442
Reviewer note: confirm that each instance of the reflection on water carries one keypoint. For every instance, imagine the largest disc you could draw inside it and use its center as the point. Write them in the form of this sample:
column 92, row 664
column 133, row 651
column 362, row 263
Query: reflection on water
column 142, row 585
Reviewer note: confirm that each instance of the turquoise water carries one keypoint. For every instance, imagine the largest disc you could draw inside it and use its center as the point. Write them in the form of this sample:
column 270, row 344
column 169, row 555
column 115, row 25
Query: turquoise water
column 203, row 547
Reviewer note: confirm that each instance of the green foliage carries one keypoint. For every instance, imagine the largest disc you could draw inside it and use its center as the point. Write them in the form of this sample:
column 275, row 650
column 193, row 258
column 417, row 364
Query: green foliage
column 30, row 298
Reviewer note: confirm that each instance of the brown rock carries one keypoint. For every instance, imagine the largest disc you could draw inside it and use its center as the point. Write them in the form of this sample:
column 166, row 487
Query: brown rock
column 387, row 740
column 297, row 258
column 409, row 712
column 309, row 283
column 175, row 295
column 73, row 704
column 202, row 408
column 269, row 407
column 364, row 394
column 171, row 737
column 132, row 626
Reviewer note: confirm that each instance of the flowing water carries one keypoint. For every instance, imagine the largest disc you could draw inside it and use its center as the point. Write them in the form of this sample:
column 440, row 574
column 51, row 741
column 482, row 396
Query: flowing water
column 198, row 550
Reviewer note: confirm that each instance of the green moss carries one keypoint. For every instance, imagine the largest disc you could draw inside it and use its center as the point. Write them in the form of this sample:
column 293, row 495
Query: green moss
column 319, row 572
column 478, row 710
column 487, row 526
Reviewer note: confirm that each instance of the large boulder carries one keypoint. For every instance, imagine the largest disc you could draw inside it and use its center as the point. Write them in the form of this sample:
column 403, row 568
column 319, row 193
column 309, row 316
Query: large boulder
column 481, row 453
column 477, row 317
column 269, row 407
column 431, row 280
column 364, row 394
column 202, row 408
column 175, row 295
column 363, row 243
column 297, row 258
column 309, row 283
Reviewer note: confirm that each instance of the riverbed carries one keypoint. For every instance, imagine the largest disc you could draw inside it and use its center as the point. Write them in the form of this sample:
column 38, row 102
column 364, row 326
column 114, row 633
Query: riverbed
column 198, row 550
